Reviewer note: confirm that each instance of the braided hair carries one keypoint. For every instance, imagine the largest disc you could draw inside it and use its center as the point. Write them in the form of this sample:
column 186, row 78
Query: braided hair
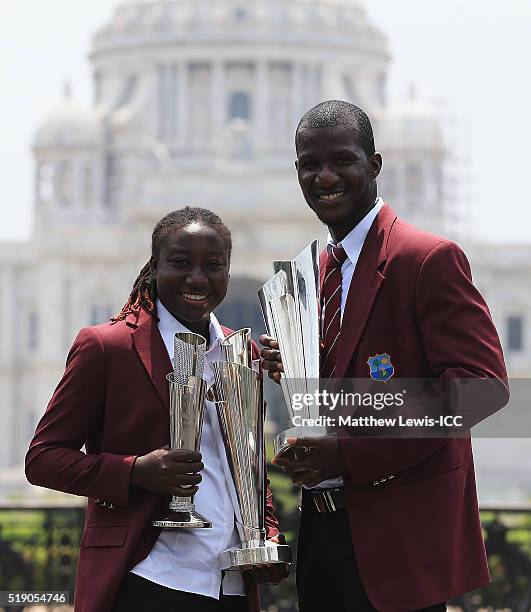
column 144, row 292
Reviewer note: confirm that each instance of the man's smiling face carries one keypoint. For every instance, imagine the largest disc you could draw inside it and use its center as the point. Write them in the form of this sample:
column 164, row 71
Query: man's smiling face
column 336, row 176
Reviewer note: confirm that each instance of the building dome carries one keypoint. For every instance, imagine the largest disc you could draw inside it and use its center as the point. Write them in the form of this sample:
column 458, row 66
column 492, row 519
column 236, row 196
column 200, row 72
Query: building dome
column 312, row 23
column 181, row 72
column 411, row 124
column 69, row 123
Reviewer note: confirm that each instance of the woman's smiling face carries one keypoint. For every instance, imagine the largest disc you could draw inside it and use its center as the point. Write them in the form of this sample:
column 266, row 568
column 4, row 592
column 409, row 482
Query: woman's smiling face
column 191, row 270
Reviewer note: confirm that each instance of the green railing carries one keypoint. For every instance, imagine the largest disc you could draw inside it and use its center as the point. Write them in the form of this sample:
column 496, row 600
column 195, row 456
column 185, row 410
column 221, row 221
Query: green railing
column 39, row 547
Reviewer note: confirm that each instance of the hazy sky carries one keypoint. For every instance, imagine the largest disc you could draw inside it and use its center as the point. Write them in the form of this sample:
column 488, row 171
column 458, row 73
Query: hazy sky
column 472, row 54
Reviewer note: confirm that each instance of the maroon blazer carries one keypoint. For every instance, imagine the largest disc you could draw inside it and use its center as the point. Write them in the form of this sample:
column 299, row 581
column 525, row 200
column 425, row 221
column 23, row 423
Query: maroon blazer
column 113, row 398
column 417, row 536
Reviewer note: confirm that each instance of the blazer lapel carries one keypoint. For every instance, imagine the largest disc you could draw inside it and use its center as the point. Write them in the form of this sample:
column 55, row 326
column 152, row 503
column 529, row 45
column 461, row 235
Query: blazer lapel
column 366, row 281
column 153, row 354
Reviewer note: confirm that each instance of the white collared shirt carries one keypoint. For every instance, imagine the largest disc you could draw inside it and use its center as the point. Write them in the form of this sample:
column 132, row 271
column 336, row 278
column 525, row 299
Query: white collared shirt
column 186, row 559
column 352, row 243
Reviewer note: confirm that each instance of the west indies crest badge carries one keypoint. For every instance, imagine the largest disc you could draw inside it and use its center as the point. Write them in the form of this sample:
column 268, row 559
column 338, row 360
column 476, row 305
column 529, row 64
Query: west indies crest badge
column 380, row 367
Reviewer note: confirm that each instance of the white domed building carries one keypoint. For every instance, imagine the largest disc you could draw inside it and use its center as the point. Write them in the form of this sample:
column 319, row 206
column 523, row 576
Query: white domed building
column 196, row 102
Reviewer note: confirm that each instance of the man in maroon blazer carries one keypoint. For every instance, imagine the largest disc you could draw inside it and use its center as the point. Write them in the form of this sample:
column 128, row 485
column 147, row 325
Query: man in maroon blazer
column 388, row 524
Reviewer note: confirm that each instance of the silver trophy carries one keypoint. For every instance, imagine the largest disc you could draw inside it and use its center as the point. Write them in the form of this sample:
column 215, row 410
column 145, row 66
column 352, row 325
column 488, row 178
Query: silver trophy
column 187, row 401
column 240, row 408
column 290, row 305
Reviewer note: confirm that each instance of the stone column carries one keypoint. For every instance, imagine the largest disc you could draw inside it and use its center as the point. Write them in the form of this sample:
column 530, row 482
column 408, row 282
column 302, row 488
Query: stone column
column 78, row 164
column 297, row 92
column 9, row 365
column 314, row 95
column 182, row 95
column 7, row 305
column 261, row 115
column 218, row 101
column 99, row 180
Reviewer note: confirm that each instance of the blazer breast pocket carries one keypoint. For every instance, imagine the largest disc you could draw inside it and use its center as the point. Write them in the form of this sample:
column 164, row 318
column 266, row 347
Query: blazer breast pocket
column 104, row 535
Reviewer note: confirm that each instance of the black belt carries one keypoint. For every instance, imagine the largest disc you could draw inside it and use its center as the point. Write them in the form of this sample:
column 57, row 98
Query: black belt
column 331, row 500
column 328, row 500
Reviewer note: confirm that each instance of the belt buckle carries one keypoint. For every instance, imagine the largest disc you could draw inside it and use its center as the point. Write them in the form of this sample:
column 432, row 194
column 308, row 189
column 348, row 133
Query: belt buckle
column 324, row 501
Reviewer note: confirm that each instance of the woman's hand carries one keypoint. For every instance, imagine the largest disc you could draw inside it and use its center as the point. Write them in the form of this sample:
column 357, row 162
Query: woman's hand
column 270, row 358
column 168, row 471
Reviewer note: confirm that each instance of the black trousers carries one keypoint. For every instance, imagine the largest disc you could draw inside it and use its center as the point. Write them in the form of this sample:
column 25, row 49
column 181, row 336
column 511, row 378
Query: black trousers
column 137, row 594
column 327, row 572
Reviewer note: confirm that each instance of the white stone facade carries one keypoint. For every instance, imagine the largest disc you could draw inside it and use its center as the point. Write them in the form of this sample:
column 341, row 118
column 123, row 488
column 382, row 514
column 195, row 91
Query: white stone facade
column 196, row 102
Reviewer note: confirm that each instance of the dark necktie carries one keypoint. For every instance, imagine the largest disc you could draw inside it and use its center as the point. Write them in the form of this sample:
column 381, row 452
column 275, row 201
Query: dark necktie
column 331, row 309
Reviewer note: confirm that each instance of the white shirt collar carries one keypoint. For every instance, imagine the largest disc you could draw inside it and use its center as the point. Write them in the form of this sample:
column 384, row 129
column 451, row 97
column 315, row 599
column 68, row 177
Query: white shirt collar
column 169, row 325
column 353, row 241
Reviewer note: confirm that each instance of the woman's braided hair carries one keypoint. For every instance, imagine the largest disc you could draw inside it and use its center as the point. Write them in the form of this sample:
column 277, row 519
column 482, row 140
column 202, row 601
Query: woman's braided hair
column 144, row 292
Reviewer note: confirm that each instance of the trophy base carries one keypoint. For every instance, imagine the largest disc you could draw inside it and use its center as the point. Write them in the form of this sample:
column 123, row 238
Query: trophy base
column 186, row 520
column 281, row 446
column 263, row 553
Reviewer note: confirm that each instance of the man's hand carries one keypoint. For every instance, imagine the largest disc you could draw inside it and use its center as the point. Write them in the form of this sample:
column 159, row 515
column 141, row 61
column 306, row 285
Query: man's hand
column 322, row 460
column 272, row 573
column 168, row 471
column 270, row 358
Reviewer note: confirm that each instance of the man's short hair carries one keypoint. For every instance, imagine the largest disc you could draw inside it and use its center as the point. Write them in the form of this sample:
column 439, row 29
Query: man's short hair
column 337, row 113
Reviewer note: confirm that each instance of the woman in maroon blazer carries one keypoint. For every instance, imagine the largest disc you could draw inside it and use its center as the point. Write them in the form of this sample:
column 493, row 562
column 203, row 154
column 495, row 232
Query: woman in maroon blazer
column 113, row 399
